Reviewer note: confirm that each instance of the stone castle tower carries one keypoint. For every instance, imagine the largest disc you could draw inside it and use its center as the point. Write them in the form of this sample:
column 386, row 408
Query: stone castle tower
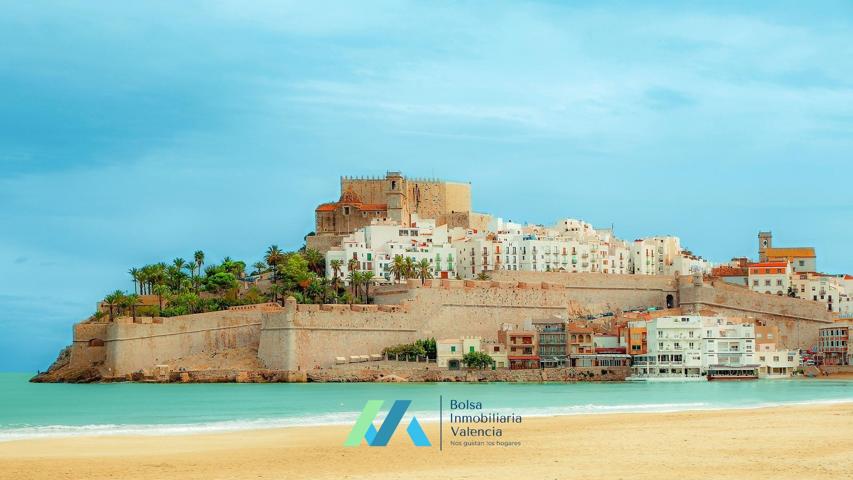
column 393, row 198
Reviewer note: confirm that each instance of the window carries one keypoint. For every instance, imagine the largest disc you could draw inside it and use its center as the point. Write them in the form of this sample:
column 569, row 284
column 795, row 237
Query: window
column 452, row 348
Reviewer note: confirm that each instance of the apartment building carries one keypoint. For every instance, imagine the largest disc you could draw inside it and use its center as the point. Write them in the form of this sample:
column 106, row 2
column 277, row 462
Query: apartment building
column 696, row 347
column 773, row 278
column 728, row 349
column 833, row 344
column 674, row 349
column 522, row 346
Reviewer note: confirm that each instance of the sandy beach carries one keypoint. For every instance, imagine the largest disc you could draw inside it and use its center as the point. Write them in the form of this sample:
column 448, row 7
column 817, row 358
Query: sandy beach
column 785, row 442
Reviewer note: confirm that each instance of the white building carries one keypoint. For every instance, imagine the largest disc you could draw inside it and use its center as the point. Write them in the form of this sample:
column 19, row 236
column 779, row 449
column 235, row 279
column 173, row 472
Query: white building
column 833, row 291
column 449, row 352
column 374, row 248
column 777, row 363
column 772, row 278
column 674, row 349
column 728, row 348
column 696, row 347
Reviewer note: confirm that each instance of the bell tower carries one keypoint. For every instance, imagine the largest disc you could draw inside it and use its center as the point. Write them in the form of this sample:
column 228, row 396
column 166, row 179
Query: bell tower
column 395, row 189
column 765, row 241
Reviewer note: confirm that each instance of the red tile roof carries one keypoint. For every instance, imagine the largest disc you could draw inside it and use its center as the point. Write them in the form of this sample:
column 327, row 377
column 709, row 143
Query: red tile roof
column 372, row 206
column 728, row 271
column 769, row 264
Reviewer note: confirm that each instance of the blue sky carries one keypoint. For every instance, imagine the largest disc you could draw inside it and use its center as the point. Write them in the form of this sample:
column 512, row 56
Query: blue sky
column 131, row 133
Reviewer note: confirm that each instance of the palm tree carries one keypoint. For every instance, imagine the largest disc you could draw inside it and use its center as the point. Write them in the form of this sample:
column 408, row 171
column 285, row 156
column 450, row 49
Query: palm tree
column 315, row 261
column 424, row 270
column 398, row 267
column 354, row 281
column 323, row 284
column 179, row 263
column 273, row 257
column 410, row 267
column 198, row 256
column 134, row 273
column 336, row 271
column 160, row 291
column 259, row 268
column 131, row 301
column 367, row 279
column 483, row 276
column 352, row 265
column 113, row 300
column 275, row 291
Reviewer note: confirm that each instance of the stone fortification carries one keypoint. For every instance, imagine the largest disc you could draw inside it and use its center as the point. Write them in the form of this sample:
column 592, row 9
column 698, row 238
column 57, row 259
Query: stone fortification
column 305, row 337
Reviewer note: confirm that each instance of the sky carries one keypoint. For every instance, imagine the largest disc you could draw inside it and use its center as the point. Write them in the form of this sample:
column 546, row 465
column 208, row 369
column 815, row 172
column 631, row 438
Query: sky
column 137, row 132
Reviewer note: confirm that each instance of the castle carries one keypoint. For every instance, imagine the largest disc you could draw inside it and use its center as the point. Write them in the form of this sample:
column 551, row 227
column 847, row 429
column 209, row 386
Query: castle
column 392, row 198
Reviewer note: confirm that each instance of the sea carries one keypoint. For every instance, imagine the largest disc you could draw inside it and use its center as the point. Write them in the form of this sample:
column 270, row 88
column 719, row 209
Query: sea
column 29, row 410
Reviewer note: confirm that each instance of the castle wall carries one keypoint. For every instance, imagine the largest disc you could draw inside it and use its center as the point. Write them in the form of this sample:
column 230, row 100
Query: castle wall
column 303, row 337
column 87, row 347
column 133, row 346
column 798, row 319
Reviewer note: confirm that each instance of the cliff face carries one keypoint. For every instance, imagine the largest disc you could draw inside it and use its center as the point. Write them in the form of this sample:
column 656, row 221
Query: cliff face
column 62, row 370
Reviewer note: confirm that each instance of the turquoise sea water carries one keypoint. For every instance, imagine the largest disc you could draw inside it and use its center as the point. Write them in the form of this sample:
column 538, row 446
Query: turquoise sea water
column 35, row 410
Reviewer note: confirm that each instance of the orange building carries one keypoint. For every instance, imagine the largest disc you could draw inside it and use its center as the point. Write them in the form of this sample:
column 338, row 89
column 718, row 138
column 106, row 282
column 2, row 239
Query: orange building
column 522, row 347
column 579, row 339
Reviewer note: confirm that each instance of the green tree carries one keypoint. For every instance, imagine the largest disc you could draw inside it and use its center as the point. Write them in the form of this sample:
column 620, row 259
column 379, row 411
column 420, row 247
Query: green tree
column 354, row 279
column 114, row 300
column 161, row 291
column 131, row 301
column 336, row 266
column 220, row 282
column 410, row 267
column 483, row 276
column 424, row 270
column 479, row 360
column 273, row 257
column 316, row 261
column 134, row 273
column 367, row 279
column 398, row 268
column 259, row 267
column 198, row 256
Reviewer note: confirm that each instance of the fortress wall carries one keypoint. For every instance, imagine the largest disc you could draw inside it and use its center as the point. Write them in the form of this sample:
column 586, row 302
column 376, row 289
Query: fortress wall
column 84, row 355
column 441, row 309
column 370, row 190
column 134, row 346
column 599, row 281
column 301, row 337
column 798, row 319
column 308, row 336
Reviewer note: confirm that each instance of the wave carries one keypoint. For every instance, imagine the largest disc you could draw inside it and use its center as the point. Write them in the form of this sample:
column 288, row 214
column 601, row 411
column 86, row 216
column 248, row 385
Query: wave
column 24, row 432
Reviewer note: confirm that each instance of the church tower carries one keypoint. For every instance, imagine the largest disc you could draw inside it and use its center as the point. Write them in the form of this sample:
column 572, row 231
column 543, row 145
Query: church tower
column 395, row 189
column 765, row 241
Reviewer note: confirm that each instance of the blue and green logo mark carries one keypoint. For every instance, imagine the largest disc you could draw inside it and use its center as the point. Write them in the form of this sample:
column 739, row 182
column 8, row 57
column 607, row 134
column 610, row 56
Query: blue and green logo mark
column 364, row 429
